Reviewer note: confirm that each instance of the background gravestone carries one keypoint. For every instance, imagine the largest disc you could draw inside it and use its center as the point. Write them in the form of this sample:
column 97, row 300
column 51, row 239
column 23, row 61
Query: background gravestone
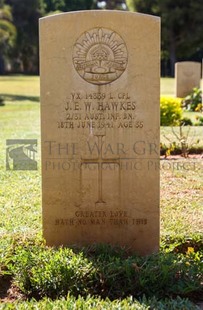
column 187, row 76
column 100, row 129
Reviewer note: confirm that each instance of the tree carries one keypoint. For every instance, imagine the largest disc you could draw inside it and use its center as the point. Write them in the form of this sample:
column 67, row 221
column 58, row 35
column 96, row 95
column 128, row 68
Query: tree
column 75, row 5
column 7, row 34
column 67, row 5
column 182, row 24
column 54, row 5
column 26, row 18
column 1, row 4
column 112, row 4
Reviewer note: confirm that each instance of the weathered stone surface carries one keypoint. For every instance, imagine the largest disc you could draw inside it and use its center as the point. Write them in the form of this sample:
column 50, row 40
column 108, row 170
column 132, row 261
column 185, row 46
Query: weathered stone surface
column 187, row 76
column 100, row 129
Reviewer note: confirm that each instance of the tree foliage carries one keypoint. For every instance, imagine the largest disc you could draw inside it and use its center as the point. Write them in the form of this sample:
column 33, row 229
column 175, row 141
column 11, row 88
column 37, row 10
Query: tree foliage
column 112, row 4
column 1, row 4
column 67, row 5
column 26, row 17
column 26, row 20
column 182, row 24
column 7, row 34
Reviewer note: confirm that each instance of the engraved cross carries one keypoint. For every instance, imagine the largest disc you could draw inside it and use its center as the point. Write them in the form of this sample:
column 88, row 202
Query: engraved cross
column 100, row 161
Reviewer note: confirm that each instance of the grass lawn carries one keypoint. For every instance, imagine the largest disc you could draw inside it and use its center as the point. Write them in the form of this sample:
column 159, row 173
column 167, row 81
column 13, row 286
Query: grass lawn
column 194, row 136
column 20, row 203
column 192, row 115
column 168, row 87
column 23, row 87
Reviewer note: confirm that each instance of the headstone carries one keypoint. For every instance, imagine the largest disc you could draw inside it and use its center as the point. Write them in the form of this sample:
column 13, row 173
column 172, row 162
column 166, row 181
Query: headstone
column 100, row 129
column 187, row 76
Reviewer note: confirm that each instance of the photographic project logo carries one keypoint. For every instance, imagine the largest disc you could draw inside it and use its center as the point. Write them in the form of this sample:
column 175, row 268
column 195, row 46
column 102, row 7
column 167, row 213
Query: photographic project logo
column 21, row 154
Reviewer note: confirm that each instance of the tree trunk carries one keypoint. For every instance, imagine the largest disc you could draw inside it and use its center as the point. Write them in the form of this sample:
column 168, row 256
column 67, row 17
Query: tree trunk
column 172, row 53
column 114, row 4
column 2, row 65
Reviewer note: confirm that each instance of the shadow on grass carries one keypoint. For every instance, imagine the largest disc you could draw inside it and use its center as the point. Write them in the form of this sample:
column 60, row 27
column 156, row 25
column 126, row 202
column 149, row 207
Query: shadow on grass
column 2, row 102
column 19, row 98
column 5, row 284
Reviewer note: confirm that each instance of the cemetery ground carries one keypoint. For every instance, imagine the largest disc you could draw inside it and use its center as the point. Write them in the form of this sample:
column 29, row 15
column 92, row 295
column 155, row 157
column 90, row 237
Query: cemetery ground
column 33, row 276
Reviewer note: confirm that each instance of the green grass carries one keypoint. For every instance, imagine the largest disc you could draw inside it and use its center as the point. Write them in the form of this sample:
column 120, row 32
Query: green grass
column 20, row 207
column 194, row 135
column 20, row 87
column 28, row 86
column 19, row 190
column 88, row 303
column 192, row 115
column 168, row 87
column 181, row 197
column 20, row 115
column 110, row 273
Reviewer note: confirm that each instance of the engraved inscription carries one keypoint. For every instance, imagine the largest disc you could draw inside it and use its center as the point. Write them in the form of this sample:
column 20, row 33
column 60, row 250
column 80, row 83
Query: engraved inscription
column 188, row 73
column 100, row 110
column 100, row 56
column 112, row 218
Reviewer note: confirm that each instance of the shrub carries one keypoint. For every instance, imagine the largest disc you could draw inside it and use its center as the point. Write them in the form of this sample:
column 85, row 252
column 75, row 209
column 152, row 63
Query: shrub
column 192, row 102
column 200, row 121
column 169, row 304
column 171, row 111
column 199, row 108
column 53, row 273
column 185, row 121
